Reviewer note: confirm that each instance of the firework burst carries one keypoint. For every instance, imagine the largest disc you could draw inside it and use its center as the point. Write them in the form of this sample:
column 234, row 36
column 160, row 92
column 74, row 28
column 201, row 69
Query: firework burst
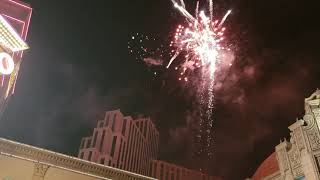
column 201, row 43
column 201, row 40
column 198, row 43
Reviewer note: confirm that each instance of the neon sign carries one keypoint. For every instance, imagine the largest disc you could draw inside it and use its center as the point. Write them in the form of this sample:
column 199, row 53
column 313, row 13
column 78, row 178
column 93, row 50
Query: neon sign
column 6, row 63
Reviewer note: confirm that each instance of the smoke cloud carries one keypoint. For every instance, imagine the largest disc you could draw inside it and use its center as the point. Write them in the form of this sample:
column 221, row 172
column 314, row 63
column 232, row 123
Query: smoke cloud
column 153, row 62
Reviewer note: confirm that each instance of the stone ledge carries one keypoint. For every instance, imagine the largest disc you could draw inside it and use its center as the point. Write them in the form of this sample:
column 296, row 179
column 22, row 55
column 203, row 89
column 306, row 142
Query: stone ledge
column 64, row 161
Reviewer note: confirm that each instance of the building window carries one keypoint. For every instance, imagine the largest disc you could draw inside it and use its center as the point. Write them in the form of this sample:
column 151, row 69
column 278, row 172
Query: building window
column 172, row 173
column 124, row 126
column 126, row 162
column 109, row 163
column 155, row 169
column 113, row 147
column 178, row 174
column 145, row 129
column 183, row 173
column 81, row 155
column 88, row 143
column 123, row 151
column 114, row 121
column 107, row 120
column 139, row 125
column 94, row 139
column 161, row 171
column 82, row 144
column 167, row 173
column 102, row 140
column 90, row 156
column 102, row 161
column 120, row 152
column 101, row 124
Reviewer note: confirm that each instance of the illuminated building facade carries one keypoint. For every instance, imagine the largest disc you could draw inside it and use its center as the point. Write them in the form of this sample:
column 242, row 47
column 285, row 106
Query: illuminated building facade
column 166, row 171
column 14, row 23
column 298, row 158
column 121, row 142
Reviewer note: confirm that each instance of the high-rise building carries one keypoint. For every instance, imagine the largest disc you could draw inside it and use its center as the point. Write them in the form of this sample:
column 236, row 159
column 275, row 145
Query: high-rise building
column 122, row 142
column 132, row 144
column 166, row 171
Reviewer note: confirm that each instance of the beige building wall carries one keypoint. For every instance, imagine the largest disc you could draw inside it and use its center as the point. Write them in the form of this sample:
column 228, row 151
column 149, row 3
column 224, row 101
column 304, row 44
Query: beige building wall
column 23, row 162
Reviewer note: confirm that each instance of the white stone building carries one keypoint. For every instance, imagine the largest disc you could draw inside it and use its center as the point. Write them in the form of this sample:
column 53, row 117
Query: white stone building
column 299, row 157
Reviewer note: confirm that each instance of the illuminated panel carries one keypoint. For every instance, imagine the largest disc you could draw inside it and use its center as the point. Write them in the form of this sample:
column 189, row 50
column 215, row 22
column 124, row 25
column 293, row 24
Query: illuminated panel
column 18, row 14
column 9, row 38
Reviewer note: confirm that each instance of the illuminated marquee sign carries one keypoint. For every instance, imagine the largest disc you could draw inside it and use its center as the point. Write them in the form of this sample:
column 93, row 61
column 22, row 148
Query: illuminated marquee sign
column 10, row 42
column 6, row 63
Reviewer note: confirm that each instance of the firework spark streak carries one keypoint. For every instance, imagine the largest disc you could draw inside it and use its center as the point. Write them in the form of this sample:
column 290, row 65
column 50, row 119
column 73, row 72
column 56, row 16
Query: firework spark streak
column 211, row 9
column 201, row 43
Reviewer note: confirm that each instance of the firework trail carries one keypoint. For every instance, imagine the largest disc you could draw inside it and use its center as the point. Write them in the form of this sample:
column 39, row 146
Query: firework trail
column 197, row 10
column 197, row 44
column 183, row 4
column 173, row 58
column 201, row 43
column 224, row 18
column 183, row 11
column 211, row 9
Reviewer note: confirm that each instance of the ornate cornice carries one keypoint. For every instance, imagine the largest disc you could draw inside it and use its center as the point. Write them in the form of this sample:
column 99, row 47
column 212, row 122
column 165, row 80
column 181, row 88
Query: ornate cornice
column 298, row 123
column 66, row 162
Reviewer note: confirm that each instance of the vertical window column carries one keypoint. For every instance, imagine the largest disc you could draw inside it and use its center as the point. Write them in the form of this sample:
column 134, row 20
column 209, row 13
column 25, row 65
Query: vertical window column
column 94, row 139
column 90, row 156
column 102, row 140
column 113, row 147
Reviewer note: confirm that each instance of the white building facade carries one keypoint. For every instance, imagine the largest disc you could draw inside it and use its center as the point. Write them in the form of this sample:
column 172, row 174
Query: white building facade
column 299, row 157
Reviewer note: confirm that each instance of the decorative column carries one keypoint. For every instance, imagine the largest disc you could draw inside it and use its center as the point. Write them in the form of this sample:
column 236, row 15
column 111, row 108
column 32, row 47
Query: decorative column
column 284, row 165
column 308, row 167
column 307, row 161
column 39, row 171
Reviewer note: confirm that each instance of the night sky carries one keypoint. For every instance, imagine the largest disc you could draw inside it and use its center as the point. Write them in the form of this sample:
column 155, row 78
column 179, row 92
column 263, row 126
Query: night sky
column 79, row 66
